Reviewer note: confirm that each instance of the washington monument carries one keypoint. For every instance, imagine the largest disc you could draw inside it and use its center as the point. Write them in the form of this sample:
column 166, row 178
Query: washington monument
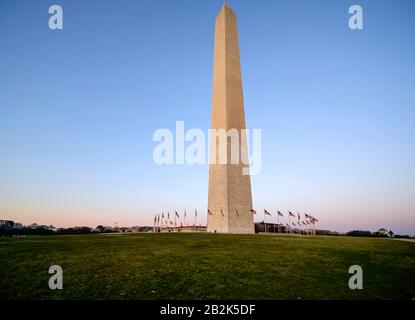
column 230, row 199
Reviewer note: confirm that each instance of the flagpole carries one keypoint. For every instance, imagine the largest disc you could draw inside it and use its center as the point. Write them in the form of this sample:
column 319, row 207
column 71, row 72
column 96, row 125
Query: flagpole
column 265, row 220
column 278, row 221
column 312, row 225
column 274, row 224
column 314, row 229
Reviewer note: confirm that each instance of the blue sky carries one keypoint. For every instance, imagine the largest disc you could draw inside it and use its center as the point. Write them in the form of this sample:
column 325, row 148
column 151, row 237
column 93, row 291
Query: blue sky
column 79, row 106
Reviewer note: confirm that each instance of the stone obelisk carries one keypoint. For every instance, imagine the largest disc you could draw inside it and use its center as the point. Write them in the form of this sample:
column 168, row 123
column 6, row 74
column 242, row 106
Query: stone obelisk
column 230, row 199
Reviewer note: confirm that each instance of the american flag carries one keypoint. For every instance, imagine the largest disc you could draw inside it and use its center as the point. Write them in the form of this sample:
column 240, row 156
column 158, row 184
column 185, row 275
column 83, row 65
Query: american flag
column 266, row 212
column 253, row 211
column 280, row 214
column 291, row 214
column 177, row 215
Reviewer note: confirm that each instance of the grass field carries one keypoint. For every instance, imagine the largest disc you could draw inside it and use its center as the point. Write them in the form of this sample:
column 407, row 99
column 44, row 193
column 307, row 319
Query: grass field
column 205, row 266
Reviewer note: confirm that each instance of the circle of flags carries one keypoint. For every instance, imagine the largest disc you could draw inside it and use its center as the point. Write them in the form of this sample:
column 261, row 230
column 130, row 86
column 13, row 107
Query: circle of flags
column 296, row 223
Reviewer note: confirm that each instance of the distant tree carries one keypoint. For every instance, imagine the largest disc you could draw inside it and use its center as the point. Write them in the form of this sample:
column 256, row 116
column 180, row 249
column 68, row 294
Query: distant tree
column 400, row 236
column 359, row 233
column 327, row 233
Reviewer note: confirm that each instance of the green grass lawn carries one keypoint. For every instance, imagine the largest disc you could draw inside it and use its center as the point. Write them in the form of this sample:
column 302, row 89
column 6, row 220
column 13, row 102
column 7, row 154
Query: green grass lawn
column 205, row 266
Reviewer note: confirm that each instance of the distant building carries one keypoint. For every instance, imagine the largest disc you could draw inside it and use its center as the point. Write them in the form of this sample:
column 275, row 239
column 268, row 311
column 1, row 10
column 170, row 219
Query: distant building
column 6, row 224
column 9, row 224
column 190, row 228
column 35, row 226
column 270, row 227
column 384, row 232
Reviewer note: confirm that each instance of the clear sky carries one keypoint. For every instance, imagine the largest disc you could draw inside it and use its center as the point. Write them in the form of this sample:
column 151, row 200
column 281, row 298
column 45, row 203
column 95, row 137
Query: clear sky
column 79, row 106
